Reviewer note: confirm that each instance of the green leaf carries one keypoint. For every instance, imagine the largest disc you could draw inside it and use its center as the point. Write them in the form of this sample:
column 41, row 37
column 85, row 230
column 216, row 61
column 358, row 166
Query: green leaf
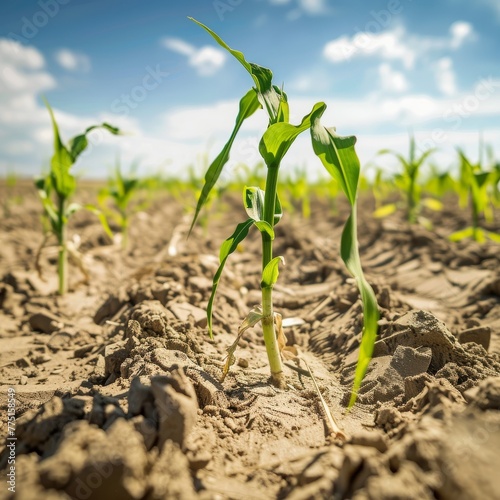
column 64, row 183
column 75, row 207
column 350, row 255
column 264, row 227
column 340, row 159
column 433, row 204
column 278, row 210
column 493, row 236
column 102, row 219
column 385, row 211
column 271, row 272
column 43, row 186
column 278, row 138
column 337, row 155
column 462, row 234
column 262, row 77
column 80, row 142
column 253, row 200
column 226, row 249
column 248, row 105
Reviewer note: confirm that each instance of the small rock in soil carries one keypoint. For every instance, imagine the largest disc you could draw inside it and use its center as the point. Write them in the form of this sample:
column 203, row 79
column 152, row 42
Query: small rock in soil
column 480, row 335
column 45, row 322
column 177, row 407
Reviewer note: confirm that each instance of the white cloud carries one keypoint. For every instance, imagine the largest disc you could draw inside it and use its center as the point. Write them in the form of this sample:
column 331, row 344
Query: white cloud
column 445, row 76
column 73, row 61
column 25, row 129
column 387, row 45
column 461, row 31
column 396, row 44
column 207, row 60
column 12, row 52
column 483, row 100
column 313, row 7
column 300, row 7
column 392, row 80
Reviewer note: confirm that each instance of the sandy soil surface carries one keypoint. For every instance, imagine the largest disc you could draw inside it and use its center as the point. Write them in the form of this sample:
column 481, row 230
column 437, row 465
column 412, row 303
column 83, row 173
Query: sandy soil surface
column 117, row 385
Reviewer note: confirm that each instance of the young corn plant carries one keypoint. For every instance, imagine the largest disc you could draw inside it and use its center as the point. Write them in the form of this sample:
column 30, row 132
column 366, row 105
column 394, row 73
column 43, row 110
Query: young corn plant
column 408, row 182
column 296, row 192
column 264, row 210
column 56, row 189
column 121, row 190
column 476, row 187
column 9, row 198
column 439, row 183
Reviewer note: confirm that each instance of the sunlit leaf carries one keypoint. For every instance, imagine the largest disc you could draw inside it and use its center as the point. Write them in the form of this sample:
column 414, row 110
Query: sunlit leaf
column 462, row 234
column 433, row 204
column 385, row 211
column 337, row 155
column 227, row 248
column 278, row 138
column 271, row 272
column 63, row 181
column 340, row 159
column 268, row 95
column 248, row 105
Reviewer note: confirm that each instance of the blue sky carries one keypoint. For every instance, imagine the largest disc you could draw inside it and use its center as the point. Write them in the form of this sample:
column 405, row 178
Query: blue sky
column 382, row 67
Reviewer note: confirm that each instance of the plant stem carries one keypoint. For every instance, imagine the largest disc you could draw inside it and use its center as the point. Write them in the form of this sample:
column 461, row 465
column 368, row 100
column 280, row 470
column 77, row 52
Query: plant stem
column 273, row 354
column 475, row 221
column 412, row 202
column 62, row 262
column 125, row 225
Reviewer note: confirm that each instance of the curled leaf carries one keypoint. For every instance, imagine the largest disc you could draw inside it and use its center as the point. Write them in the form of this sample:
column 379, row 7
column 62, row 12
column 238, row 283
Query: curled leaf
column 271, row 272
column 253, row 317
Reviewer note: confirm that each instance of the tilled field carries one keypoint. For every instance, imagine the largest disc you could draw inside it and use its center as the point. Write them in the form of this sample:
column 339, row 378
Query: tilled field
column 117, row 384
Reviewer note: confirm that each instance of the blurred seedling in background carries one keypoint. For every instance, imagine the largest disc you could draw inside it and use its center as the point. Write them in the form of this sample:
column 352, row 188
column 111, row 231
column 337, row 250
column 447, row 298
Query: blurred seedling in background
column 476, row 188
column 122, row 190
column 56, row 189
column 10, row 197
column 407, row 181
column 295, row 193
column 439, row 183
column 264, row 211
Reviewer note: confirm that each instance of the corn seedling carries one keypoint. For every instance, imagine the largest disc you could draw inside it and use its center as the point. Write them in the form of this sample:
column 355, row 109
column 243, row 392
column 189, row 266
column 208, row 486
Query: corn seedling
column 295, row 191
column 439, row 183
column 407, row 182
column 264, row 210
column 382, row 189
column 121, row 189
column 56, row 189
column 10, row 198
column 476, row 188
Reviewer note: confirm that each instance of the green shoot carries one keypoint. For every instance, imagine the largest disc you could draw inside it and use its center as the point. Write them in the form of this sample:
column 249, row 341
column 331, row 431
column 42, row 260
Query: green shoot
column 9, row 198
column 56, row 189
column 121, row 189
column 476, row 185
column 264, row 209
column 295, row 191
column 407, row 181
